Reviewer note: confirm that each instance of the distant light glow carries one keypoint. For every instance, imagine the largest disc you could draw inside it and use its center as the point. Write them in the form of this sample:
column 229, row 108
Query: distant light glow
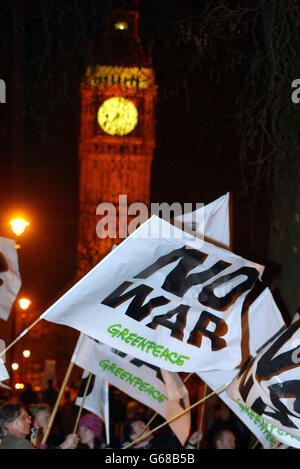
column 15, row 366
column 19, row 386
column 26, row 353
column 18, row 225
column 24, row 303
column 121, row 25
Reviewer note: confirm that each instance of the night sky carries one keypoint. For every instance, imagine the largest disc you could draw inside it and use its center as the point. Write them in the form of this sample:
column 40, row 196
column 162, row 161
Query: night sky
column 198, row 131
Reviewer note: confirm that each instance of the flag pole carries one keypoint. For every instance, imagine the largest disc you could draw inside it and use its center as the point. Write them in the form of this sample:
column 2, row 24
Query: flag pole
column 187, row 377
column 156, row 413
column 175, row 417
column 82, row 402
column 230, row 204
column 60, row 394
column 146, row 426
column 20, row 336
column 255, row 444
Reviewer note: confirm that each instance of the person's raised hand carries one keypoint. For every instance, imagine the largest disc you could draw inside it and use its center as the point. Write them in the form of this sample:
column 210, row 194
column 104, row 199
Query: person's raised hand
column 70, row 442
column 195, row 437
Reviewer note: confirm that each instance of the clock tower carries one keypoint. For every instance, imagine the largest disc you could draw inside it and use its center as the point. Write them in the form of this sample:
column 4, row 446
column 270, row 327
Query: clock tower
column 117, row 131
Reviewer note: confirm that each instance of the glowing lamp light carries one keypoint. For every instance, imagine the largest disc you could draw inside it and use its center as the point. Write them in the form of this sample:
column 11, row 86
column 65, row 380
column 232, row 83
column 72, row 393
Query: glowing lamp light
column 18, row 225
column 26, row 353
column 24, row 303
column 19, row 386
column 121, row 25
column 15, row 366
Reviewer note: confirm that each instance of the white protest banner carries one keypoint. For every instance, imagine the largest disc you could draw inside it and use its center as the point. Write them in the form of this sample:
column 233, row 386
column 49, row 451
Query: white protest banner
column 96, row 400
column 164, row 297
column 296, row 317
column 158, row 389
column 10, row 281
column 175, row 388
column 3, row 372
column 269, row 387
column 265, row 323
column 210, row 220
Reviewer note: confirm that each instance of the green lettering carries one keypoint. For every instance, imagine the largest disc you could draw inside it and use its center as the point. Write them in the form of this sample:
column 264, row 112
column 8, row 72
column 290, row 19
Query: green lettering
column 130, row 337
column 112, row 329
column 142, row 344
column 149, row 390
column 118, row 371
column 261, row 427
column 157, row 350
column 138, row 381
column 135, row 341
column 165, row 354
column 181, row 358
column 176, row 355
column 156, row 396
column 265, row 423
column 124, row 375
column 240, row 403
column 143, row 386
column 162, row 398
column 112, row 367
column 257, row 419
column 272, row 428
column 130, row 378
column 104, row 364
column 123, row 333
column 150, row 345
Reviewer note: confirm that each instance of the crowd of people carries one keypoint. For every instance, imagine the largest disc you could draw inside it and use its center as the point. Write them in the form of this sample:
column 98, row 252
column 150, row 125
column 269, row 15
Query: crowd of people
column 24, row 420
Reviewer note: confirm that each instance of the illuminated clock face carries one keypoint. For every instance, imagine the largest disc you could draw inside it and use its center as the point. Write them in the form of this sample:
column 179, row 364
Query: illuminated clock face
column 117, row 116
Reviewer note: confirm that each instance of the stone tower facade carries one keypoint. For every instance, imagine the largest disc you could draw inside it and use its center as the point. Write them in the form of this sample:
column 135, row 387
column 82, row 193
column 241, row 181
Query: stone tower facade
column 117, row 133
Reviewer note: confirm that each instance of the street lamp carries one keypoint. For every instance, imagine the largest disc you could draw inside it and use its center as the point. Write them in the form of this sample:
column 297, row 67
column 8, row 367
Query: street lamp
column 19, row 386
column 121, row 26
column 24, row 303
column 18, row 226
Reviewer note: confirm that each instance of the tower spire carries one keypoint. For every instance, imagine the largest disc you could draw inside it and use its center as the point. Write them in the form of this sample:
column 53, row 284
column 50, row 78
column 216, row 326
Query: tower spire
column 117, row 136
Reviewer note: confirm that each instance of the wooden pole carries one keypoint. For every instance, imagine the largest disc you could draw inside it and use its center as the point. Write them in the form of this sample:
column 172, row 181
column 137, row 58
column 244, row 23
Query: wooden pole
column 60, row 394
column 175, row 417
column 255, row 444
column 156, row 413
column 187, row 377
column 20, row 336
column 146, row 426
column 82, row 402
column 230, row 221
